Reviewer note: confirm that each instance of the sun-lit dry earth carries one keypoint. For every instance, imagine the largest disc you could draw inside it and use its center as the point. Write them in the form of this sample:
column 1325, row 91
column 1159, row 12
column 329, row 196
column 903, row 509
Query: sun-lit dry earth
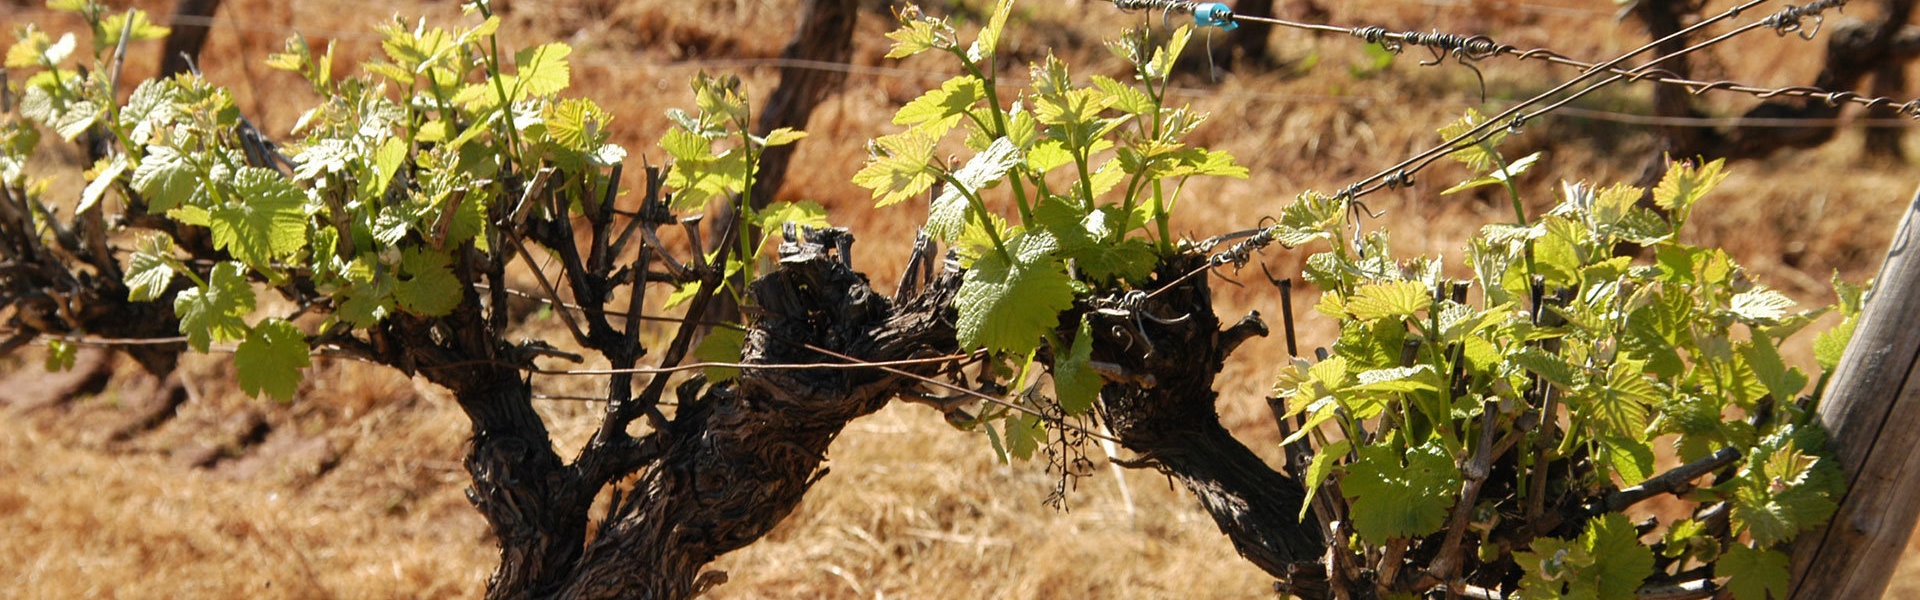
column 355, row 489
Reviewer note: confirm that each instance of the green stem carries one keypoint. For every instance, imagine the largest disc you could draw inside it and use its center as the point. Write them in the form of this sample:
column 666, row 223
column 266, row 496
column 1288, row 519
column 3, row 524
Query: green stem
column 1020, row 199
column 492, row 58
column 1086, row 180
column 1519, row 208
column 979, row 210
column 999, row 130
column 1160, row 219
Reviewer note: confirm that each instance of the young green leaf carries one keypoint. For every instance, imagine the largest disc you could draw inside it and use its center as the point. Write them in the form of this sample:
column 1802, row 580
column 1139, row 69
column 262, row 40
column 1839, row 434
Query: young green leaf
column 1760, row 306
column 266, row 219
column 1007, row 303
column 1783, row 382
column 722, row 345
column 1620, row 562
column 150, row 270
column 1478, row 156
column 947, row 218
column 1498, row 176
column 542, row 70
column 918, row 33
column 141, row 29
column 1831, row 344
column 1621, row 406
column 983, row 48
column 1754, row 574
column 1024, row 435
column 104, row 178
column 212, row 312
column 1391, row 299
column 951, row 100
column 806, row 213
column 271, row 358
column 783, row 136
column 900, row 167
column 1390, row 500
column 1074, row 380
column 61, row 355
column 1319, row 469
column 1632, row 459
column 427, row 286
column 1779, row 495
column 1551, row 367
column 1685, row 183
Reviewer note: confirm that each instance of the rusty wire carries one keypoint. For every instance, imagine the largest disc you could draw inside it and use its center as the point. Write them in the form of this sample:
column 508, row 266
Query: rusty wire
column 1469, row 49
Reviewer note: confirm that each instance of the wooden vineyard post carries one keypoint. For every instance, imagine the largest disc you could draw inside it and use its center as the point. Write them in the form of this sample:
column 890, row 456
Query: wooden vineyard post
column 1871, row 410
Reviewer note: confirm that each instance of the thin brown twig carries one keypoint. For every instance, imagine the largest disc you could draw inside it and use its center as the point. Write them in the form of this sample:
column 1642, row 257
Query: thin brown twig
column 1671, row 481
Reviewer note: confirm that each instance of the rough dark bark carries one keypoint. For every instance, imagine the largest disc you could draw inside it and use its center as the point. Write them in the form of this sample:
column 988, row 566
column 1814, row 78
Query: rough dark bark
column 189, row 25
column 737, row 459
column 1170, row 349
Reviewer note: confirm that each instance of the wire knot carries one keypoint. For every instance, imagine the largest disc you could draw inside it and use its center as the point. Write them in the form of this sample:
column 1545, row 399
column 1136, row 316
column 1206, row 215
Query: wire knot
column 1788, row 19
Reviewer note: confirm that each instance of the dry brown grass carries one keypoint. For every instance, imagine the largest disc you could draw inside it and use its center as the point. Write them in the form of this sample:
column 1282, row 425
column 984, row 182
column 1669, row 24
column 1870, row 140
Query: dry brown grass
column 913, row 508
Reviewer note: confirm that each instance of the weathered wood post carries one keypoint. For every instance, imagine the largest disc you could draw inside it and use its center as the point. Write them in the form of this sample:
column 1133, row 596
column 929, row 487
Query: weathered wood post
column 1872, row 411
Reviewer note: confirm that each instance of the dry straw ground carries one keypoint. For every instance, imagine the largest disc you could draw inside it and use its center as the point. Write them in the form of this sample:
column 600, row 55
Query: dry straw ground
column 354, row 489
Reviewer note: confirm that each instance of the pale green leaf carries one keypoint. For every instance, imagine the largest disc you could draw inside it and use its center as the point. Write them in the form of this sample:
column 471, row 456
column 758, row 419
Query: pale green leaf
column 784, row 136
column 900, row 167
column 1783, row 382
column 946, row 220
column 1831, row 344
column 1632, row 459
column 271, row 359
column 1686, row 183
column 918, row 34
column 804, row 213
column 1760, row 305
column 150, row 108
column 1550, row 367
column 1498, row 176
column 1478, row 156
column 1024, row 434
column 102, row 181
column 1007, row 303
column 264, row 219
column 1074, row 381
column 542, row 70
column 150, row 270
column 1390, row 299
column 212, row 312
column 1390, row 499
column 1754, row 574
column 984, row 47
column 1320, row 468
column 1620, row 561
column 61, row 355
column 140, row 30
column 722, row 345
column 426, row 285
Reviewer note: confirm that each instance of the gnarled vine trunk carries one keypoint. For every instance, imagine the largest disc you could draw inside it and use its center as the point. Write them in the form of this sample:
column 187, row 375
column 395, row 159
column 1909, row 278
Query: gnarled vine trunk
column 1169, row 349
column 737, row 457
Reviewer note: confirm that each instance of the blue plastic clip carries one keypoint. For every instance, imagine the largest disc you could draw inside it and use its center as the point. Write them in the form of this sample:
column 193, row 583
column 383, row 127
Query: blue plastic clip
column 1214, row 14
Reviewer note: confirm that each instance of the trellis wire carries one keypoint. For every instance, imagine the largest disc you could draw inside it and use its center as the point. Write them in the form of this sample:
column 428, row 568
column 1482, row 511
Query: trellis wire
column 1539, row 54
column 1465, row 49
column 1471, row 48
